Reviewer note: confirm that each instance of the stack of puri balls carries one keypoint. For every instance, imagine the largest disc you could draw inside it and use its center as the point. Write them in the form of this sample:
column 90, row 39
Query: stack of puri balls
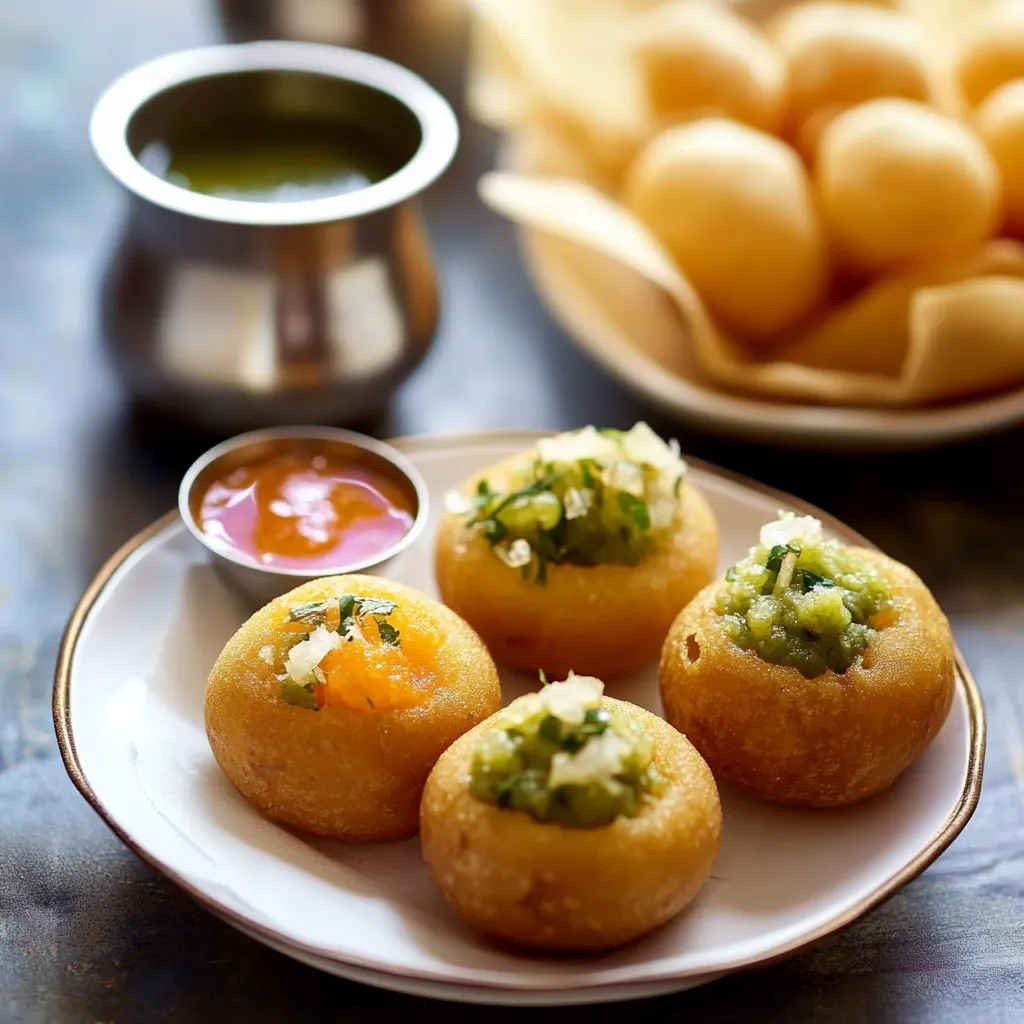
column 799, row 161
column 354, row 707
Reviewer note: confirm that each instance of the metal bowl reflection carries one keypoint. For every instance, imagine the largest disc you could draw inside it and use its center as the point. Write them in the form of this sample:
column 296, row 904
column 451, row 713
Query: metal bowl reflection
column 239, row 313
column 262, row 583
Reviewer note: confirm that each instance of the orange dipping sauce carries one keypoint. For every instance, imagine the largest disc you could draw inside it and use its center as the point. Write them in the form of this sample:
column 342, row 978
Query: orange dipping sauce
column 305, row 512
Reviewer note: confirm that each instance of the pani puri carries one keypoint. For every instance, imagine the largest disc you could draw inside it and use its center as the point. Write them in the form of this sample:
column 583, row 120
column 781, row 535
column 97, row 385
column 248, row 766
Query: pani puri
column 329, row 706
column 570, row 821
column 700, row 58
column 990, row 51
column 898, row 182
column 578, row 554
column 999, row 120
column 840, row 54
column 734, row 208
column 814, row 673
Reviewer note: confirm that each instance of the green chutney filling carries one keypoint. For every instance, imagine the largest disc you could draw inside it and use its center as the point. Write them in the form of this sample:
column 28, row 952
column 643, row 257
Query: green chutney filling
column 801, row 599
column 271, row 159
column 564, row 758
column 589, row 497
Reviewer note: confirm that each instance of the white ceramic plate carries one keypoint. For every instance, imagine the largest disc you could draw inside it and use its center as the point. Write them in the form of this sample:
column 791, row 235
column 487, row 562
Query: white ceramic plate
column 492, row 996
column 128, row 709
column 568, row 287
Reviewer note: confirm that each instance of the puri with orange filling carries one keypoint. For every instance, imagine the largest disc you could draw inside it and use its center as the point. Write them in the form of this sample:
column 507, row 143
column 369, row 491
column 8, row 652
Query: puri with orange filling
column 329, row 706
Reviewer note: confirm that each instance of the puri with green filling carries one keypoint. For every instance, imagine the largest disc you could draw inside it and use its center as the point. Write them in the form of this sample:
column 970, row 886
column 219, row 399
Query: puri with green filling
column 570, row 821
column 578, row 554
column 814, row 672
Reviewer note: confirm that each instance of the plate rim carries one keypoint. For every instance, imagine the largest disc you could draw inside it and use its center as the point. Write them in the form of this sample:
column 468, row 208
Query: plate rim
column 951, row 827
column 425, row 988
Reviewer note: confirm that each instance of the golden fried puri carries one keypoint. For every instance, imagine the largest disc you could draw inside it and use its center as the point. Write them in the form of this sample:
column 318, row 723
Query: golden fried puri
column 999, row 120
column 550, row 887
column 898, row 183
column 355, row 768
column 989, row 50
column 597, row 619
column 840, row 54
column 756, row 254
column 699, row 58
column 826, row 741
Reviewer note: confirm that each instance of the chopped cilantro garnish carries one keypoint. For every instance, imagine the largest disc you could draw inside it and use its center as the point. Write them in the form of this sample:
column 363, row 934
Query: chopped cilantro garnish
column 352, row 608
column 316, row 610
column 537, row 487
column 775, row 557
column 730, row 574
column 346, row 609
column 507, row 787
column 376, row 606
column 821, row 600
column 298, row 695
column 597, row 509
column 388, row 634
column 572, row 738
column 778, row 553
column 542, row 570
column 636, row 508
column 809, row 580
column 550, row 729
column 542, row 676
column 494, row 529
column 370, row 704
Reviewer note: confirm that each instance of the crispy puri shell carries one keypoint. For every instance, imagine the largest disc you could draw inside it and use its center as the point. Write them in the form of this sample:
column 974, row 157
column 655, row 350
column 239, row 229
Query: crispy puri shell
column 822, row 742
column 550, row 887
column 348, row 774
column 600, row 620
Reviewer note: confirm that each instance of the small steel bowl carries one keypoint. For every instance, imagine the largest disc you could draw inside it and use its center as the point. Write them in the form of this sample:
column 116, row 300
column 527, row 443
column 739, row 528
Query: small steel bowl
column 236, row 314
column 262, row 583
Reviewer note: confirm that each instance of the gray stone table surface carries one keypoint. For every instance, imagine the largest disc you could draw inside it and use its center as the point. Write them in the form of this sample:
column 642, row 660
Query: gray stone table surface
column 87, row 932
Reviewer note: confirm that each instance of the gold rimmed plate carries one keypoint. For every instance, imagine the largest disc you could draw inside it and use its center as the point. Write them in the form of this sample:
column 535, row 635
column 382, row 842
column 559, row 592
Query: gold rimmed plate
column 128, row 710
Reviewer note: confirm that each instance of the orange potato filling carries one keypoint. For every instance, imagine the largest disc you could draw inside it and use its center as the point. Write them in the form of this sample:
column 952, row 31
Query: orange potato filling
column 347, row 771
column 367, row 674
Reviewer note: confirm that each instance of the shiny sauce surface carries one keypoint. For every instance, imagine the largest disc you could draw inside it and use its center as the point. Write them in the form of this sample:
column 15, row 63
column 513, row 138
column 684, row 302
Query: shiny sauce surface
column 305, row 511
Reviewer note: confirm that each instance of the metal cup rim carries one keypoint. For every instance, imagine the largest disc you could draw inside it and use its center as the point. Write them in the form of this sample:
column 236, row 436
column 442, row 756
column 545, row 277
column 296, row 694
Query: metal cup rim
column 121, row 100
column 294, row 576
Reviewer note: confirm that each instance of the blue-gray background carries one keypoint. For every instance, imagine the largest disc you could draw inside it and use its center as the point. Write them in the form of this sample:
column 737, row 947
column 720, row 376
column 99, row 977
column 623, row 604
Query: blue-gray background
column 87, row 933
